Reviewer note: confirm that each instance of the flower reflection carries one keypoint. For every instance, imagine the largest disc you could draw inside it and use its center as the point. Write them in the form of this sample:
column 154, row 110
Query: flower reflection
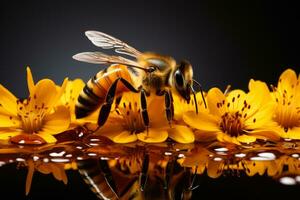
column 56, row 169
column 163, row 171
column 139, row 172
column 213, row 161
column 271, row 161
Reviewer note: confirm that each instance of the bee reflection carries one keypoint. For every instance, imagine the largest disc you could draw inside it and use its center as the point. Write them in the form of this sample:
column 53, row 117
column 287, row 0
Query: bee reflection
column 147, row 176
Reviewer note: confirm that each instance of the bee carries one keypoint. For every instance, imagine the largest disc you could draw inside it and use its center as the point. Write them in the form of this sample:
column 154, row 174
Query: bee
column 98, row 175
column 148, row 73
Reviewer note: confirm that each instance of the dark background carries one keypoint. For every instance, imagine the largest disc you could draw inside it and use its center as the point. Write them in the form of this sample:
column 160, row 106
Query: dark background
column 44, row 187
column 227, row 42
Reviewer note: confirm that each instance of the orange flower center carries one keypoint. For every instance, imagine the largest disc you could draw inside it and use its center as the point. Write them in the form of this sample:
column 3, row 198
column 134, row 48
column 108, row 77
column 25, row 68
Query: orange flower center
column 231, row 123
column 287, row 114
column 31, row 115
column 130, row 113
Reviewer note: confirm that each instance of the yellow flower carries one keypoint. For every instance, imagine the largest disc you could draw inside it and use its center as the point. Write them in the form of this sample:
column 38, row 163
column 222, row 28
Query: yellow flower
column 70, row 95
column 125, row 124
column 201, row 159
column 198, row 158
column 287, row 111
column 235, row 118
column 35, row 116
column 181, row 105
column 272, row 166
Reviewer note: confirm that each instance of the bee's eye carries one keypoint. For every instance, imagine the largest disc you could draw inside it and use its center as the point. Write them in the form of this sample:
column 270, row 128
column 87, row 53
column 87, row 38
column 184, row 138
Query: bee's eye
column 179, row 78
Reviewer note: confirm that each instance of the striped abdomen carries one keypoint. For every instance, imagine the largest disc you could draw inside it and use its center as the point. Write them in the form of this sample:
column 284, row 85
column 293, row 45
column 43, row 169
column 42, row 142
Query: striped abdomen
column 98, row 178
column 93, row 94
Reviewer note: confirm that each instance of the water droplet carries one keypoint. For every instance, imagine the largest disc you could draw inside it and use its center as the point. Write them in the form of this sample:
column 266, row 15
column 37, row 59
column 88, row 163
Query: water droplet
column 287, row 180
column 218, row 159
column 240, row 155
column 221, row 149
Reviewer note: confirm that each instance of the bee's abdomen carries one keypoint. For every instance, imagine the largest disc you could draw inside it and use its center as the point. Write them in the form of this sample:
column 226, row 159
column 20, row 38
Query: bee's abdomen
column 94, row 177
column 87, row 102
column 94, row 93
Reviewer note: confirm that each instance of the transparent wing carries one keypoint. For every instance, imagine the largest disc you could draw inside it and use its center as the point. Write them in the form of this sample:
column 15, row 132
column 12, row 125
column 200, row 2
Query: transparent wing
column 101, row 58
column 105, row 41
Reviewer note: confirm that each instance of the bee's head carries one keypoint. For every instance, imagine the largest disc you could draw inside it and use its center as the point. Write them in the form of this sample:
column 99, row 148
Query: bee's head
column 183, row 79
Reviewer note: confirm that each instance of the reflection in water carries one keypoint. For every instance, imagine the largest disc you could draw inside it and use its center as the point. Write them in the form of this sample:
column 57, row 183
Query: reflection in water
column 153, row 171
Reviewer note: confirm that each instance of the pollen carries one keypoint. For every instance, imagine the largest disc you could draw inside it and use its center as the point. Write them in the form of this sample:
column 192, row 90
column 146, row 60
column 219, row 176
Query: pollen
column 130, row 112
column 286, row 115
column 232, row 124
column 31, row 115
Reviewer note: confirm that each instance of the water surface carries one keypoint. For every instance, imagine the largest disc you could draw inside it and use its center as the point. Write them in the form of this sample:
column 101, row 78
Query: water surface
column 92, row 167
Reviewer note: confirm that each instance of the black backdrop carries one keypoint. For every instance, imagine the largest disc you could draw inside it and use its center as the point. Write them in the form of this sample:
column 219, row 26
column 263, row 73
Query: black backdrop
column 227, row 43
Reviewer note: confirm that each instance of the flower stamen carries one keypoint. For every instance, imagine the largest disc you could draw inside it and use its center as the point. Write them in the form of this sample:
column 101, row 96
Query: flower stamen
column 132, row 119
column 31, row 115
column 231, row 123
column 286, row 116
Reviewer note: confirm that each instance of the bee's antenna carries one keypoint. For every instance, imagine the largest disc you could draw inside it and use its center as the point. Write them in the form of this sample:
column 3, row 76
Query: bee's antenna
column 201, row 92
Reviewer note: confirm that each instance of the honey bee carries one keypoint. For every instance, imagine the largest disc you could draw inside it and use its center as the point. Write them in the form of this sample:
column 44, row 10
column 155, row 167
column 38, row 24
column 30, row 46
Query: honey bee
column 149, row 73
column 97, row 174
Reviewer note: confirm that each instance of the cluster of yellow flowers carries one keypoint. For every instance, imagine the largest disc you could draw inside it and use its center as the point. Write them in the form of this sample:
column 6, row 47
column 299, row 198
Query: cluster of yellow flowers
column 231, row 117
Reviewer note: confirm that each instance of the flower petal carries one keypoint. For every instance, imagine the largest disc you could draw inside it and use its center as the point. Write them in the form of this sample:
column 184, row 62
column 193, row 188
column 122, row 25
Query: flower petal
column 287, row 80
column 125, row 137
column 72, row 91
column 30, row 82
column 261, row 118
column 44, row 95
column 181, row 105
column 8, row 102
column 156, row 111
column 8, row 133
column 201, row 121
column 181, row 134
column 258, row 96
column 113, row 125
column 246, row 139
column 153, row 136
column 47, row 137
column 9, row 121
column 70, row 96
column 202, row 136
column 223, row 137
column 235, row 100
column 57, row 122
column 292, row 133
column 270, row 134
column 216, row 102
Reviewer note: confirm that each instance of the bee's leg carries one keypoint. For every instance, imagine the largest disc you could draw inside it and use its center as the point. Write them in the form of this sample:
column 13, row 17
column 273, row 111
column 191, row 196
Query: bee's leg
column 106, row 107
column 169, row 106
column 144, row 109
column 108, row 175
column 144, row 172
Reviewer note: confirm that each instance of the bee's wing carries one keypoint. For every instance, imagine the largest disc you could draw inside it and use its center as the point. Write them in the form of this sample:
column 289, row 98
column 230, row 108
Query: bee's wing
column 108, row 42
column 101, row 58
